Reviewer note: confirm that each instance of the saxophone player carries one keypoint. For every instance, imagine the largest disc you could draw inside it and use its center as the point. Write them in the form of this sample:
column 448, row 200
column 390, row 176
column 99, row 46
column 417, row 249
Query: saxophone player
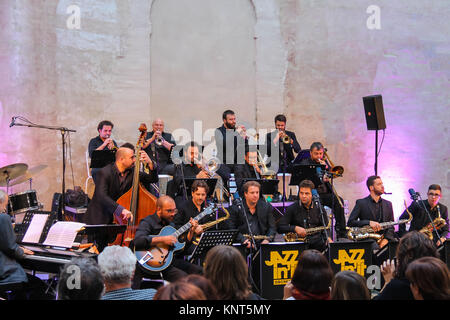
column 421, row 221
column 303, row 215
column 373, row 210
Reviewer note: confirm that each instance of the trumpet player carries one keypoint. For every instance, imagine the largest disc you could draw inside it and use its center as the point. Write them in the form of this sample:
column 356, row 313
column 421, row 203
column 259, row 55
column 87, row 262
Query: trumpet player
column 373, row 210
column 158, row 145
column 102, row 142
column 282, row 140
column 327, row 196
column 421, row 221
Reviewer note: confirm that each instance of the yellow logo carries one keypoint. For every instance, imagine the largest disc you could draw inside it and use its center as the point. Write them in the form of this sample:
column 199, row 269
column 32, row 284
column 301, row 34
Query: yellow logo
column 283, row 267
column 352, row 262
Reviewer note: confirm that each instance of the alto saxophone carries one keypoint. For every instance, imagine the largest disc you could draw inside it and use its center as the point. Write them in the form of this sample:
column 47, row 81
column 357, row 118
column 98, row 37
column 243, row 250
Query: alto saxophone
column 210, row 224
column 361, row 233
column 292, row 236
column 439, row 223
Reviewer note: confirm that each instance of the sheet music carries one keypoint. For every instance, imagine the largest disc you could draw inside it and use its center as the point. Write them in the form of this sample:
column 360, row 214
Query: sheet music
column 35, row 228
column 63, row 233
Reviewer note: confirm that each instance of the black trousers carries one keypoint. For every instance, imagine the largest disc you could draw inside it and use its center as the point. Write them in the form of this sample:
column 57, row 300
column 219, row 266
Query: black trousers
column 331, row 201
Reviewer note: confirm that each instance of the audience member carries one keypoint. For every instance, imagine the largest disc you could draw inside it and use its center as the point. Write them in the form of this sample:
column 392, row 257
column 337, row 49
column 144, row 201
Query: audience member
column 412, row 246
column 312, row 278
column 429, row 279
column 349, row 285
column 179, row 290
column 80, row 279
column 204, row 284
column 227, row 270
column 118, row 265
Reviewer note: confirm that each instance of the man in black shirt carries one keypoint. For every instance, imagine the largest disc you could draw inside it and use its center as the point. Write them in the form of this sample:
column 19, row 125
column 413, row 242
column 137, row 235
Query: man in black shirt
column 248, row 170
column 373, row 210
column 327, row 196
column 420, row 217
column 303, row 215
column 113, row 181
column 274, row 142
column 258, row 213
column 230, row 141
column 102, row 142
column 158, row 146
column 147, row 235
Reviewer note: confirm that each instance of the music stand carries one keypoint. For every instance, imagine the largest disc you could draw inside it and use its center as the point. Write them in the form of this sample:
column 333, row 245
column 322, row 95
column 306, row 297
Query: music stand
column 101, row 158
column 102, row 233
column 268, row 186
column 210, row 239
column 303, row 154
column 305, row 172
column 210, row 182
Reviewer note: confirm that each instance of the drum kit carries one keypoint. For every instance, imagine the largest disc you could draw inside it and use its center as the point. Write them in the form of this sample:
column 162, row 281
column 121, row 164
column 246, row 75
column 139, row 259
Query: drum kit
column 16, row 174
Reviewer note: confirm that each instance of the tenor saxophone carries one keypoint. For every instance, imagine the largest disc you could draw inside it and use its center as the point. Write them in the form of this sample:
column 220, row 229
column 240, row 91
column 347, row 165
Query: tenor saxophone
column 292, row 236
column 439, row 223
column 211, row 224
column 366, row 232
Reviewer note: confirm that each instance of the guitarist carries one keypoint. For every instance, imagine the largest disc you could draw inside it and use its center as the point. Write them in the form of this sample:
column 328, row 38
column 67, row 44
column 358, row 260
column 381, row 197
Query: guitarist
column 147, row 236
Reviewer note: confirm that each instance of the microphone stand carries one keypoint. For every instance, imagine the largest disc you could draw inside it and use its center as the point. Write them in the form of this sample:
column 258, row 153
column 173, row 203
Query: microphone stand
column 63, row 131
column 417, row 196
column 252, row 239
column 322, row 215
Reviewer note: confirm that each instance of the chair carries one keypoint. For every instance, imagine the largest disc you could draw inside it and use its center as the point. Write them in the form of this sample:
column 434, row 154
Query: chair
column 88, row 172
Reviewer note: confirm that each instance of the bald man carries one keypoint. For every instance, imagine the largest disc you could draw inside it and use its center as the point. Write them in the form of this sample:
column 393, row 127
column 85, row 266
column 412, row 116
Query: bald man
column 147, row 235
column 112, row 182
column 160, row 153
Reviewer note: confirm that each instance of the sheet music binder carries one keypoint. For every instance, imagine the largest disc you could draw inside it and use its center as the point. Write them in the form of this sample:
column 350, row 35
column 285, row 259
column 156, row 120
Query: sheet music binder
column 209, row 239
column 21, row 229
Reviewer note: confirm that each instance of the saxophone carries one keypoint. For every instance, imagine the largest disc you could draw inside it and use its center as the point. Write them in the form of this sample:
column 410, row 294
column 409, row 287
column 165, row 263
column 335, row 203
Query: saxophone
column 366, row 232
column 210, row 224
column 438, row 224
column 292, row 236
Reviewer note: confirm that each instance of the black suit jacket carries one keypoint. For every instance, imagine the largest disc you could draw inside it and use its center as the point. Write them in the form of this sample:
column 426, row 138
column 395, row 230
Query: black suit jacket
column 108, row 190
column 265, row 219
column 228, row 137
column 289, row 149
column 363, row 213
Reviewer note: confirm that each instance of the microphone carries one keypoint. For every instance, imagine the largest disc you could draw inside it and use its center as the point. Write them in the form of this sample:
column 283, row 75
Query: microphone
column 13, row 122
column 319, row 173
column 316, row 198
column 414, row 195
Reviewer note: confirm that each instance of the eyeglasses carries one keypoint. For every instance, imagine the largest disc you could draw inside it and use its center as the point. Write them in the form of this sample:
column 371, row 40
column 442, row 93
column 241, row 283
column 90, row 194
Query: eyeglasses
column 172, row 210
column 434, row 194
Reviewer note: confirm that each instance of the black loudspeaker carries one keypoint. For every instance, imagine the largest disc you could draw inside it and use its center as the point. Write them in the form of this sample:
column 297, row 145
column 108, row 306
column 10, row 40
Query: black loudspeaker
column 373, row 109
column 57, row 205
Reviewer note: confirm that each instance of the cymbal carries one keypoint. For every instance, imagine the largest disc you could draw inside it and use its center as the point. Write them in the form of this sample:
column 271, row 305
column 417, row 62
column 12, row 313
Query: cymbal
column 11, row 172
column 31, row 173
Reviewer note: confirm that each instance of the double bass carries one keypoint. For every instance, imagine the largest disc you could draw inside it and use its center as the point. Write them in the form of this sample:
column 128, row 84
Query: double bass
column 137, row 199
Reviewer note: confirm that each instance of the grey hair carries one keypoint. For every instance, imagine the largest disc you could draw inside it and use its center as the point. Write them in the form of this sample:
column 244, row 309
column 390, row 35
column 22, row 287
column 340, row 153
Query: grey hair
column 117, row 264
column 3, row 196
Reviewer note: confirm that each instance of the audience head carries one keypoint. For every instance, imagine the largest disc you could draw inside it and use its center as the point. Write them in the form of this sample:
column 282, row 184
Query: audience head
column 179, row 290
column 349, row 285
column 117, row 265
column 412, row 246
column 429, row 279
column 226, row 268
column 202, row 283
column 80, row 279
column 312, row 277
column 3, row 200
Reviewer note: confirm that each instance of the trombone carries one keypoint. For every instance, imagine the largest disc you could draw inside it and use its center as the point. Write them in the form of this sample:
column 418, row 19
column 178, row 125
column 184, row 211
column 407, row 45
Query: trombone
column 335, row 171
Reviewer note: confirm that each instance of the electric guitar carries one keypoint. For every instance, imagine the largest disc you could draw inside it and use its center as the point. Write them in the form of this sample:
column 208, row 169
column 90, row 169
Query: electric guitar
column 160, row 256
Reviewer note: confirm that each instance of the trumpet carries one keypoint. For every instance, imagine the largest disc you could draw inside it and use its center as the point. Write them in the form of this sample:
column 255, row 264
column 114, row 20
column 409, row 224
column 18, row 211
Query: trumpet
column 159, row 139
column 285, row 138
